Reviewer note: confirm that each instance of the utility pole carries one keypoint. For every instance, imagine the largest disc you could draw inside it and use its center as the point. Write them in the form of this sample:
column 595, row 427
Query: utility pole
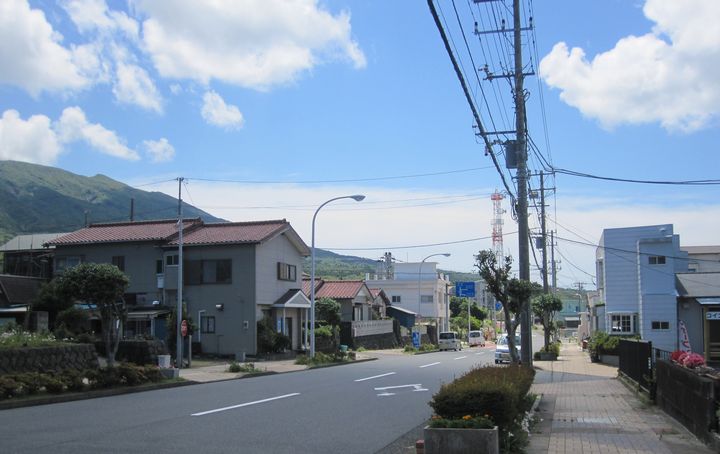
column 178, row 314
column 522, row 203
column 552, row 259
column 544, row 233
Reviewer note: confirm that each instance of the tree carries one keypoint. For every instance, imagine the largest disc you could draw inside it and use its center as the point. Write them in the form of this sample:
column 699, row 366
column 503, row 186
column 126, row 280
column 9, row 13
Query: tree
column 52, row 301
column 101, row 285
column 545, row 306
column 513, row 294
column 327, row 310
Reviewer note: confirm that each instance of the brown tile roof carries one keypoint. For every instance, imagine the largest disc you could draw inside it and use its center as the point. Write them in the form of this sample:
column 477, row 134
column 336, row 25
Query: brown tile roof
column 124, row 232
column 233, row 232
column 306, row 286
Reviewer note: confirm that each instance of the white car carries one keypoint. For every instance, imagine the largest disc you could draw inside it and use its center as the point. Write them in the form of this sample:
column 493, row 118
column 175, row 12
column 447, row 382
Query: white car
column 449, row 340
column 476, row 338
column 502, row 349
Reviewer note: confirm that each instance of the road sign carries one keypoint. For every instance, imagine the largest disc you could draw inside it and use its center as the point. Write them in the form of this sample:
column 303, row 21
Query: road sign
column 465, row 289
column 183, row 328
column 416, row 339
column 498, row 306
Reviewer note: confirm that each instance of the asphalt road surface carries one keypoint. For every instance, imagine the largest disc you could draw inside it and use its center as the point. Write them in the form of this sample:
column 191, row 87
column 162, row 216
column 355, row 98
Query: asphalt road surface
column 358, row 408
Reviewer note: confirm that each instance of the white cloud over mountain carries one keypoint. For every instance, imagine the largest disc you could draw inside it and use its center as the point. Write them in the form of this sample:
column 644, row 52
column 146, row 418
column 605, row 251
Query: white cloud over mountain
column 666, row 76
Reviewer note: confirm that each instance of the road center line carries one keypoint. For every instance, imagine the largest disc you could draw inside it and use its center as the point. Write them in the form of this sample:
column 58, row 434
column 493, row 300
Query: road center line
column 245, row 404
column 431, row 364
column 375, row 376
column 460, row 357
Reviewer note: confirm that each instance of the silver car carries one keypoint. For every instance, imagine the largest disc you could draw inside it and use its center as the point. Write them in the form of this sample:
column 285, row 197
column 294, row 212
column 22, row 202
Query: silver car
column 502, row 349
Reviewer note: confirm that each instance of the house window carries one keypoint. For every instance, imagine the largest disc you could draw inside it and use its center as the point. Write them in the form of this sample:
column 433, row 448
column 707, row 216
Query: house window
column 286, row 272
column 656, row 260
column 660, row 325
column 172, row 260
column 396, row 299
column 207, row 324
column 66, row 262
column 426, row 298
column 158, row 266
column 197, row 272
column 621, row 324
column 119, row 261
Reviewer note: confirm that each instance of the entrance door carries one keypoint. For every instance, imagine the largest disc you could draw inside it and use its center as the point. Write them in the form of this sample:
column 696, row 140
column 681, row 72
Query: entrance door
column 289, row 331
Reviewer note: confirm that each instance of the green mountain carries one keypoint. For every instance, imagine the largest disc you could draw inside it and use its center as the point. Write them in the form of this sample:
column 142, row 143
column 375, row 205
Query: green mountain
column 41, row 199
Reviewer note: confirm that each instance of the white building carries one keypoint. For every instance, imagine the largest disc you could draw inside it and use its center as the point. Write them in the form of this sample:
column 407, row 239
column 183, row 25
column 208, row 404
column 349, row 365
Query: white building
column 417, row 287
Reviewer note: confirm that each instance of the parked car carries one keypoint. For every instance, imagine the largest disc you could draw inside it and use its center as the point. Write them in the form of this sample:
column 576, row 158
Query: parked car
column 476, row 338
column 502, row 349
column 449, row 340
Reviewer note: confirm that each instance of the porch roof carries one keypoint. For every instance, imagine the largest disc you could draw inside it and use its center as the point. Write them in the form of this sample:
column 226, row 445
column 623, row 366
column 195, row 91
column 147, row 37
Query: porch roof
column 293, row 298
column 698, row 285
column 400, row 309
column 146, row 315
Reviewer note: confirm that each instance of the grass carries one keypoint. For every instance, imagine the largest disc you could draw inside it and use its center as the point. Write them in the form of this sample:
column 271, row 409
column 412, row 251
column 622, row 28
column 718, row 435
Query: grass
column 15, row 337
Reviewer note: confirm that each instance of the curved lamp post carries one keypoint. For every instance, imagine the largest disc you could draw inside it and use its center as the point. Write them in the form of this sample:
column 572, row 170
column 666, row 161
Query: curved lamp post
column 444, row 254
column 357, row 198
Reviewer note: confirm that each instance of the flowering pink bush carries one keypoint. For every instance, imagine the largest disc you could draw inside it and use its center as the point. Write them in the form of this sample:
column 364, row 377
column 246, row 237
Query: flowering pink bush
column 678, row 355
column 693, row 360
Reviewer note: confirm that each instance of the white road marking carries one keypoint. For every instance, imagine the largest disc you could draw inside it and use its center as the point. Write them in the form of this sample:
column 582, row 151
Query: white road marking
column 375, row 376
column 245, row 404
column 416, row 387
column 460, row 357
column 431, row 364
column 478, row 353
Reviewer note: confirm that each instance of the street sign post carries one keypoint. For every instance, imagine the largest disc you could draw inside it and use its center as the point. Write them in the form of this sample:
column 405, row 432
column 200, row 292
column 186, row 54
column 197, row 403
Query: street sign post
column 465, row 289
column 416, row 339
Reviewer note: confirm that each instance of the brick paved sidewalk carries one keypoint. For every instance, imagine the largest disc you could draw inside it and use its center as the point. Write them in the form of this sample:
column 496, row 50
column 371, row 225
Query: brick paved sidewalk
column 586, row 409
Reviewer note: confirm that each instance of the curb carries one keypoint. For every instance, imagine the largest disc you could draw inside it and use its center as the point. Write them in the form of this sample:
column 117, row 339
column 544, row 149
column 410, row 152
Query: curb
column 92, row 394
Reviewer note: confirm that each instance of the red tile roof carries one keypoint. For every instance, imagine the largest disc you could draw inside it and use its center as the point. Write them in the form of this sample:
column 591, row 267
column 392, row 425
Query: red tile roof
column 233, row 232
column 339, row 289
column 306, row 285
column 124, row 232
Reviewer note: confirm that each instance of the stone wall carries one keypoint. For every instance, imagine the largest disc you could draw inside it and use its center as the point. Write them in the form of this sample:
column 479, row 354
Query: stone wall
column 43, row 359
column 136, row 351
column 376, row 341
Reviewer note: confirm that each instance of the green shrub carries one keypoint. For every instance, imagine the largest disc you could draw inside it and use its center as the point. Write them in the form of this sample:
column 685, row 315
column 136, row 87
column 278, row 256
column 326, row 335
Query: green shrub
column 131, row 374
column 73, row 379
column 153, row 373
column 31, row 382
column 85, row 338
column 602, row 343
column 319, row 359
column 324, row 331
column 495, row 392
column 245, row 368
column 107, row 377
column 466, row 422
column 54, row 385
column 9, row 387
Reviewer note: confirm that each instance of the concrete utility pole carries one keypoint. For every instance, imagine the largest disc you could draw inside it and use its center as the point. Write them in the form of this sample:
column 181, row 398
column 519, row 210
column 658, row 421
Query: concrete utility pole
column 178, row 314
column 522, row 201
column 544, row 233
column 552, row 261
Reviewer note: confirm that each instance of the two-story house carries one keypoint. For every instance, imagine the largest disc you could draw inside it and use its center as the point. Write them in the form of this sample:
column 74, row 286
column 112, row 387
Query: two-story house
column 234, row 275
column 636, row 269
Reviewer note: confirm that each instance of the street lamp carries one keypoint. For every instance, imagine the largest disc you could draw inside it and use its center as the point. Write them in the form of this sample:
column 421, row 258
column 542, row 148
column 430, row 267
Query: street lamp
column 444, row 254
column 357, row 198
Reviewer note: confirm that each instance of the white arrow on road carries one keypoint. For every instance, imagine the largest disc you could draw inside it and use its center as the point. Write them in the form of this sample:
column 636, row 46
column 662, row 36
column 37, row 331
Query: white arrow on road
column 417, row 387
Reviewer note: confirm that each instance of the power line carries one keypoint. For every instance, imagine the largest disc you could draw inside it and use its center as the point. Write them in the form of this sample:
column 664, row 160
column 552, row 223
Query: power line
column 469, row 240
column 630, row 180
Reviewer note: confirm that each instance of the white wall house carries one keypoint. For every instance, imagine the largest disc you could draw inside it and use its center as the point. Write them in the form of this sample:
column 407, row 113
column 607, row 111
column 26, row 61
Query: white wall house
column 422, row 290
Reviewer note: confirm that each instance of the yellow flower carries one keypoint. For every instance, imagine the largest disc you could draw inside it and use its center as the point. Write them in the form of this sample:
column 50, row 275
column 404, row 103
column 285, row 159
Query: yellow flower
column 467, row 417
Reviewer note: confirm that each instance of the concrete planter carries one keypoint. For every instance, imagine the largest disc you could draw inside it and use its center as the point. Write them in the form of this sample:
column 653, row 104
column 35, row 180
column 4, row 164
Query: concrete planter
column 547, row 356
column 612, row 360
column 461, row 441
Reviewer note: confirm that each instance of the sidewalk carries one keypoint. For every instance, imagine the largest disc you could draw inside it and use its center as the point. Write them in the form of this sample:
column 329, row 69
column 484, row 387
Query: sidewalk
column 586, row 409
column 219, row 372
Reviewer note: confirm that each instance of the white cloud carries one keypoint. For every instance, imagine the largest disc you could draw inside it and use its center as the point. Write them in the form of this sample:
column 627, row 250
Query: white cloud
column 94, row 15
column 33, row 58
column 216, row 112
column 30, row 140
column 256, row 43
column 159, row 150
column 73, row 126
column 665, row 76
column 134, row 86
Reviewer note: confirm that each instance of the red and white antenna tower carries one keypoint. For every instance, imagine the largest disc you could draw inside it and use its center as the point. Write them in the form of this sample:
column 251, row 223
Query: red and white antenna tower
column 497, row 224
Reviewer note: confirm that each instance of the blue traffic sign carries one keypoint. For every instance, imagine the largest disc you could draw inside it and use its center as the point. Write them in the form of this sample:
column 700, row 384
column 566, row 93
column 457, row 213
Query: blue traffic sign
column 465, row 289
column 498, row 306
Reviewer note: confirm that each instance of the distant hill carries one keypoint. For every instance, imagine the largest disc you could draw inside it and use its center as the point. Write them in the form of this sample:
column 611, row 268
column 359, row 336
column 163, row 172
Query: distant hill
column 41, row 199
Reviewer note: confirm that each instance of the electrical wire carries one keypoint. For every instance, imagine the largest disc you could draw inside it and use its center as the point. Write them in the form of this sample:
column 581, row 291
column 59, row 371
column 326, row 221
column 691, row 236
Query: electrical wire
column 417, row 246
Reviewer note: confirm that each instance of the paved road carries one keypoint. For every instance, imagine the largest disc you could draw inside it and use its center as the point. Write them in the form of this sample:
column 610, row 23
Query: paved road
column 358, row 408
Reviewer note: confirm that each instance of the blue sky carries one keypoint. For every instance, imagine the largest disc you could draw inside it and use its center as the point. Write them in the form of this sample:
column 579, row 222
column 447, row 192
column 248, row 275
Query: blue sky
column 295, row 91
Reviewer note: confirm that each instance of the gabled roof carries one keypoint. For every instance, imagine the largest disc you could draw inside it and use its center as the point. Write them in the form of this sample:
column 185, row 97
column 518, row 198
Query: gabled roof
column 233, row 233
column 341, row 289
column 123, row 232
column 29, row 242
column 306, row 285
column 15, row 290
column 293, row 298
column 378, row 292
